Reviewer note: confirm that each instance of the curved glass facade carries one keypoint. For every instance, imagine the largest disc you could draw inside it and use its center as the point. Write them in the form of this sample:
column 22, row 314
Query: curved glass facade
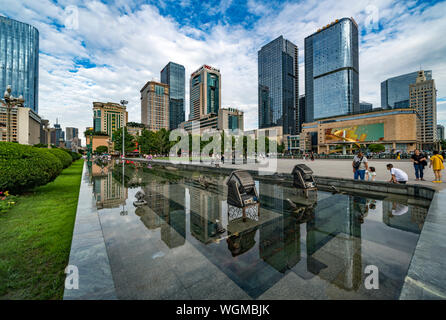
column 19, row 60
column 331, row 71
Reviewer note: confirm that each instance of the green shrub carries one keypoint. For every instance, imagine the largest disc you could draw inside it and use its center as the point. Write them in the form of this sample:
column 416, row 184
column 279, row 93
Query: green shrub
column 74, row 155
column 101, row 149
column 64, row 157
column 24, row 167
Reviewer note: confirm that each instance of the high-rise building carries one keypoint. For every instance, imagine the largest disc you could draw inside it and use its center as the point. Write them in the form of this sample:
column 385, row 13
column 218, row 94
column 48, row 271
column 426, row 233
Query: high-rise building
column 205, row 92
column 301, row 111
column 278, row 85
column 109, row 117
column 173, row 74
column 155, row 105
column 423, row 98
column 365, row 107
column 25, row 125
column 230, row 119
column 19, row 60
column 71, row 134
column 332, row 71
column 59, row 135
column 440, row 132
column 395, row 90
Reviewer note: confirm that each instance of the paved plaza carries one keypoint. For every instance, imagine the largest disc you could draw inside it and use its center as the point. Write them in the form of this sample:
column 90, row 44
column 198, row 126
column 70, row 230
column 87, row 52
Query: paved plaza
column 343, row 169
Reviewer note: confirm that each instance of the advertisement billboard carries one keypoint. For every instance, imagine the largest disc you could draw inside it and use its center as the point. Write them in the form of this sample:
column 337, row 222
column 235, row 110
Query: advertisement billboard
column 360, row 133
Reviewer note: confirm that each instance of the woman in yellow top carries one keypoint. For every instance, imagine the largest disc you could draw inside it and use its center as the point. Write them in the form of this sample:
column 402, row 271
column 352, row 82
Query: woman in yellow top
column 437, row 165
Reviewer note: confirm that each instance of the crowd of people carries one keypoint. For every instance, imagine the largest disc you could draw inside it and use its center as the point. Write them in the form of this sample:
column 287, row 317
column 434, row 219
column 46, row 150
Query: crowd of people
column 361, row 169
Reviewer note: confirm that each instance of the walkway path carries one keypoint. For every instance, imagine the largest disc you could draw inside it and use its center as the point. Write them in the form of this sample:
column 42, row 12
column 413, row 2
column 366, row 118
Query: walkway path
column 343, row 169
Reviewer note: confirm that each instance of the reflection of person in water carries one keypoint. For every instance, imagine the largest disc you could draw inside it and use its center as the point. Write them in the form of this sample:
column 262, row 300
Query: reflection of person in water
column 398, row 209
column 372, row 205
column 361, row 208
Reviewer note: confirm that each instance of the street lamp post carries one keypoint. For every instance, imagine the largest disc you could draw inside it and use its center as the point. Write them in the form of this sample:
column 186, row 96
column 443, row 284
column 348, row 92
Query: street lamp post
column 9, row 100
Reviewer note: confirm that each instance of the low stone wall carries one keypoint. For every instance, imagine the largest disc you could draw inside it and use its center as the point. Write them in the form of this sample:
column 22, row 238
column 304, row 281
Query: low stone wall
column 341, row 184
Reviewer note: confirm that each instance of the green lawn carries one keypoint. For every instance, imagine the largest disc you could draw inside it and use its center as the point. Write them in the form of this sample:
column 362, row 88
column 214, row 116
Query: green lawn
column 35, row 239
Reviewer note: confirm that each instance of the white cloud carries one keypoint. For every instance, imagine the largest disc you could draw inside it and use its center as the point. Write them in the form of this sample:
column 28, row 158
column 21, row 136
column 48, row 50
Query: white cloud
column 129, row 46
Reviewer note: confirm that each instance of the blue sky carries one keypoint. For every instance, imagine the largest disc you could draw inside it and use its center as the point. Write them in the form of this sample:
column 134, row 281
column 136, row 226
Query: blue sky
column 107, row 50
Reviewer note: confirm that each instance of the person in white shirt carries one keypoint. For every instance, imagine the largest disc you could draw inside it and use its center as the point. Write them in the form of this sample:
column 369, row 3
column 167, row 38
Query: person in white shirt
column 397, row 175
column 370, row 174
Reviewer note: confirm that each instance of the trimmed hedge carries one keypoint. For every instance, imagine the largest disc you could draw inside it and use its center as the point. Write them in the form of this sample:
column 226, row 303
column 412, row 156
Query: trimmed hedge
column 74, row 155
column 63, row 156
column 24, row 167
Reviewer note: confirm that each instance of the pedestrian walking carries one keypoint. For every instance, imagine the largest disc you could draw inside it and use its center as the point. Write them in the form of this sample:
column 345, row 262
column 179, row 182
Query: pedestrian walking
column 360, row 165
column 437, row 165
column 419, row 162
column 397, row 175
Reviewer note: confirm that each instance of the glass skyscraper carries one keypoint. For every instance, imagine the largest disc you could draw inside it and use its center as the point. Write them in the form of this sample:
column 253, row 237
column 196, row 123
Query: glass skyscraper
column 278, row 90
column 395, row 91
column 19, row 60
column 332, row 71
column 173, row 74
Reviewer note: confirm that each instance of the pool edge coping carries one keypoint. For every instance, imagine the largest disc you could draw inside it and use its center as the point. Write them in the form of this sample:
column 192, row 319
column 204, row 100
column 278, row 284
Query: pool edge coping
column 88, row 252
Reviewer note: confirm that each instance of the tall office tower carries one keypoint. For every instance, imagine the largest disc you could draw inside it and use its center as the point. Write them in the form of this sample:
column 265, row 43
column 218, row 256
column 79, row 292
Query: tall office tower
column 155, row 105
column 59, row 134
column 332, row 70
column 301, row 111
column 395, row 90
column 72, row 133
column 109, row 117
column 440, row 132
column 365, row 107
column 19, row 60
column 173, row 74
column 423, row 98
column 205, row 92
column 278, row 85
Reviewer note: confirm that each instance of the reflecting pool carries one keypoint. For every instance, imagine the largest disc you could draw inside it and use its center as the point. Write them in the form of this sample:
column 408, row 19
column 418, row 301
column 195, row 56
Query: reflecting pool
column 188, row 243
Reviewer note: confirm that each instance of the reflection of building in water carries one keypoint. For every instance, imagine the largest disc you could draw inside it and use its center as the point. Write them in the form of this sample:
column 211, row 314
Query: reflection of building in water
column 97, row 170
column 157, row 197
column 108, row 192
column 404, row 217
column 173, row 232
column 150, row 219
column 280, row 243
column 165, row 210
column 205, row 213
column 271, row 196
column 336, row 231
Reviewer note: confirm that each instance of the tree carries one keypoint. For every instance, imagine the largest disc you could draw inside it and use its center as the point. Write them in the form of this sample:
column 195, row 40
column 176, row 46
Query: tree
column 101, row 149
column 89, row 132
column 377, row 147
column 162, row 141
column 281, row 148
column 129, row 141
column 443, row 144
